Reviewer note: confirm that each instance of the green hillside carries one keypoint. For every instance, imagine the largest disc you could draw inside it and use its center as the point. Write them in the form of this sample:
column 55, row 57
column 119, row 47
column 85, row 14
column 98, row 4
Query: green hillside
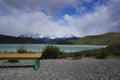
column 10, row 39
column 103, row 39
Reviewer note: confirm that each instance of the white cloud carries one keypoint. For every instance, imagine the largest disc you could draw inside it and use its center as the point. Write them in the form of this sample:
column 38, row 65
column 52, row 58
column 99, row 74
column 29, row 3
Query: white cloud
column 33, row 23
column 98, row 22
column 102, row 20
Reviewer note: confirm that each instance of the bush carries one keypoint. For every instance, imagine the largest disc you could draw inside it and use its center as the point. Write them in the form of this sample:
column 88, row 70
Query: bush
column 102, row 56
column 51, row 52
column 114, row 49
column 21, row 50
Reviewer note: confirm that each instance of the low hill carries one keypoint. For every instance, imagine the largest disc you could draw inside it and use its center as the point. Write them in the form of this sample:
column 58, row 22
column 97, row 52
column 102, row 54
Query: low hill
column 103, row 39
column 11, row 39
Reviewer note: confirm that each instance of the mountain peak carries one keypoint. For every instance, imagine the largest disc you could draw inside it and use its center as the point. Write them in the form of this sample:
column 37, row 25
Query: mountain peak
column 30, row 35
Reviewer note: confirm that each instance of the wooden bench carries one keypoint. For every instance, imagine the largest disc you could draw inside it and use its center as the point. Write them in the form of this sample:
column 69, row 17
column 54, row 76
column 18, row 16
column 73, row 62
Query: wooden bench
column 24, row 56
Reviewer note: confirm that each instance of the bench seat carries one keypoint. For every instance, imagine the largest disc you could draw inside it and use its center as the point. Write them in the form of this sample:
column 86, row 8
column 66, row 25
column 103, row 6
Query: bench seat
column 20, row 55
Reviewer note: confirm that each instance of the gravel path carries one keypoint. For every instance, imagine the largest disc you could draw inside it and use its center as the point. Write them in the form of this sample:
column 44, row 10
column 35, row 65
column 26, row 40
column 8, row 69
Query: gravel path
column 59, row 69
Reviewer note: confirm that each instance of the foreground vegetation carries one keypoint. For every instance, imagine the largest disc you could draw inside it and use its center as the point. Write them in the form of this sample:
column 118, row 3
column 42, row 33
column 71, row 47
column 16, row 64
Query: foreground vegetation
column 52, row 52
column 103, row 53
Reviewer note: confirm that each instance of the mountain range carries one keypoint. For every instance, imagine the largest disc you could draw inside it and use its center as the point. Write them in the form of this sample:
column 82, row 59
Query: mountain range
column 47, row 38
column 102, row 39
column 34, row 38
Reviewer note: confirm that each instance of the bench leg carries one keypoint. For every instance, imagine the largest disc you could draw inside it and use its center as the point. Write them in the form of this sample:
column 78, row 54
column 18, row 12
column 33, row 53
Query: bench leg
column 37, row 64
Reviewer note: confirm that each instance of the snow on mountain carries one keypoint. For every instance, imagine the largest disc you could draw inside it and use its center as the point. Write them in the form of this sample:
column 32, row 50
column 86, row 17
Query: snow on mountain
column 48, row 38
column 30, row 35
column 35, row 35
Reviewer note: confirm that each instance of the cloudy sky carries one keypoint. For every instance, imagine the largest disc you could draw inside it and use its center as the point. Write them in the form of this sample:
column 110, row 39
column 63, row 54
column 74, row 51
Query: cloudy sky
column 59, row 17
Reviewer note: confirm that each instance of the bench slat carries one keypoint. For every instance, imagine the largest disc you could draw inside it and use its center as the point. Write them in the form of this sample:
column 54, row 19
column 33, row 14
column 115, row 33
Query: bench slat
column 20, row 55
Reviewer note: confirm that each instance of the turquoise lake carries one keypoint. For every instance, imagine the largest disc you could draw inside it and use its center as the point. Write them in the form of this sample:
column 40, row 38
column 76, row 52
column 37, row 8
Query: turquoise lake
column 39, row 47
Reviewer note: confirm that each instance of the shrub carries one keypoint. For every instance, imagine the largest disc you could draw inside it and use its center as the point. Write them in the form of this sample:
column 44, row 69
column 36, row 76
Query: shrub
column 114, row 49
column 21, row 50
column 72, row 55
column 51, row 52
column 102, row 56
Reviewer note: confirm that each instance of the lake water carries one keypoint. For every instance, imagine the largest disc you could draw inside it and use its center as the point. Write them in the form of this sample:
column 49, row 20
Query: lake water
column 39, row 47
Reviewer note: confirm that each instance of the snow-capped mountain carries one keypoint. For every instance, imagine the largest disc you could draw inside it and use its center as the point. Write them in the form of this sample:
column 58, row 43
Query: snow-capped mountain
column 48, row 38
column 35, row 35
column 30, row 35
